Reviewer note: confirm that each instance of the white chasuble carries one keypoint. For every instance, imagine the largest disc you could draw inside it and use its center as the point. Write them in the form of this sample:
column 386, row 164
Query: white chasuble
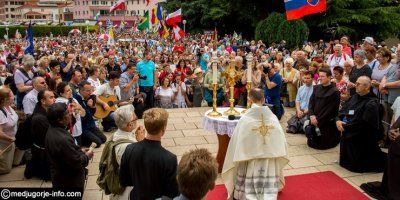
column 256, row 156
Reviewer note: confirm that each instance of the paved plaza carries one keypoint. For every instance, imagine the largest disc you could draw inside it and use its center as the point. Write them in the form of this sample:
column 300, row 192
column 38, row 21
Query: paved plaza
column 185, row 132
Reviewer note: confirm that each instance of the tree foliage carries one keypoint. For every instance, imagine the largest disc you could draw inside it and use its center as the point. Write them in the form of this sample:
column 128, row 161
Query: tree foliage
column 357, row 18
column 276, row 28
column 360, row 18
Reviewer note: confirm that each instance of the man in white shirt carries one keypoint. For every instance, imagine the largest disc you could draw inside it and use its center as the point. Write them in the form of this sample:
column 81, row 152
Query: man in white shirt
column 30, row 100
column 107, row 89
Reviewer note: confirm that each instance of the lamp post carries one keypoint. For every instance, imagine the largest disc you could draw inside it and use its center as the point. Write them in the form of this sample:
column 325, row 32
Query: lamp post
column 7, row 31
column 184, row 25
column 87, row 22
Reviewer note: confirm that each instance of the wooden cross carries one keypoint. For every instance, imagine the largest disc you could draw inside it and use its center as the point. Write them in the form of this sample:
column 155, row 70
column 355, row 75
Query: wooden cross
column 263, row 129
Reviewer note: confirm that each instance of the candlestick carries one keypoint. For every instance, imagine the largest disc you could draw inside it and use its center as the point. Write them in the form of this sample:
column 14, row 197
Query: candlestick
column 249, row 71
column 232, row 76
column 215, row 73
column 214, row 112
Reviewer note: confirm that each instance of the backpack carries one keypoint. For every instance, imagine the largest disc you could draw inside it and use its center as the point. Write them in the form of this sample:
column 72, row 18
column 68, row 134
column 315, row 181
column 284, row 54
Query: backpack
column 108, row 178
column 23, row 137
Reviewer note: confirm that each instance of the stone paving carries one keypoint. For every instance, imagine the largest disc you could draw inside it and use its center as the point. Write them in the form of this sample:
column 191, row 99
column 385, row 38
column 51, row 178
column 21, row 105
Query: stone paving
column 184, row 132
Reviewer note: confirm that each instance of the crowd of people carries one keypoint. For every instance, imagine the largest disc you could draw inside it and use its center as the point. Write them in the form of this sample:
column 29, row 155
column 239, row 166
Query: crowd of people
column 74, row 88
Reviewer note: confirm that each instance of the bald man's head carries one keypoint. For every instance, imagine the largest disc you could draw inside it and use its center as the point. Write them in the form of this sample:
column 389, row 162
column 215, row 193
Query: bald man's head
column 363, row 85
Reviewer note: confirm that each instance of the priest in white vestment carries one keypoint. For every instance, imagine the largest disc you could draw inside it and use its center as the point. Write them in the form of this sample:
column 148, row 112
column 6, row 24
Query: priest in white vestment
column 256, row 155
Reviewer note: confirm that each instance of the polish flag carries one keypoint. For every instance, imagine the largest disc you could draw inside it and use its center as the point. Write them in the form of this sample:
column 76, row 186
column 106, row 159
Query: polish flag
column 174, row 18
column 120, row 5
column 178, row 33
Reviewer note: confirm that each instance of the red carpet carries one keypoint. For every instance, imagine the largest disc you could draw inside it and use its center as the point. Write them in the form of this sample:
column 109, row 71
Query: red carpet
column 315, row 186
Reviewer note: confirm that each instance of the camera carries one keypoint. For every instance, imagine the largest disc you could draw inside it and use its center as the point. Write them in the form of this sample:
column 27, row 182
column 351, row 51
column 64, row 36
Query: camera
column 266, row 70
column 143, row 77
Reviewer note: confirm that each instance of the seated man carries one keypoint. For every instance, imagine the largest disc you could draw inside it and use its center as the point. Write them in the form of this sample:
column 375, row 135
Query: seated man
column 323, row 110
column 90, row 132
column 107, row 89
column 146, row 165
column 295, row 124
column 359, row 121
column 257, row 153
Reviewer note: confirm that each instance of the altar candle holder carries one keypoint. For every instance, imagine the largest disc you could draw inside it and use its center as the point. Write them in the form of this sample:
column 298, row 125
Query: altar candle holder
column 214, row 113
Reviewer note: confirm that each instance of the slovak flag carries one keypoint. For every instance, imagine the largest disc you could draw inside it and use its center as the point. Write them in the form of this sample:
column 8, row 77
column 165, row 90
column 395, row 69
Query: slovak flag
column 120, row 5
column 296, row 9
column 178, row 33
column 174, row 18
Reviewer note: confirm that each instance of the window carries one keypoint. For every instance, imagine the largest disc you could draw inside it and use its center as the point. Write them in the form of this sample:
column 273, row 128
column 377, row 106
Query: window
column 42, row 10
column 13, row 9
column 6, row 9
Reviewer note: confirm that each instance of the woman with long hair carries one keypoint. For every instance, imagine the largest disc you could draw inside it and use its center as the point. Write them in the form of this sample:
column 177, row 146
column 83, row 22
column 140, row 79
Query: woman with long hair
column 164, row 94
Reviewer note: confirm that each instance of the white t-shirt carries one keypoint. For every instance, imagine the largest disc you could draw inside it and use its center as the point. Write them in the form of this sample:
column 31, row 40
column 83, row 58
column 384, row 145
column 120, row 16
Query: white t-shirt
column 94, row 83
column 8, row 124
column 334, row 61
column 179, row 98
column 105, row 89
column 165, row 94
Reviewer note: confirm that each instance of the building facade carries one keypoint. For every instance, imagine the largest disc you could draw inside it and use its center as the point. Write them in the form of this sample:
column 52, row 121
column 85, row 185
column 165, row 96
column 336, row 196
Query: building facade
column 94, row 9
column 2, row 11
column 39, row 10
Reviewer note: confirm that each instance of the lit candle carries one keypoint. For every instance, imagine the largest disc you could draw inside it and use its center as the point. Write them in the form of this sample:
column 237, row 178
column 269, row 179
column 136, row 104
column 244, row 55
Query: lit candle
column 249, row 73
column 215, row 73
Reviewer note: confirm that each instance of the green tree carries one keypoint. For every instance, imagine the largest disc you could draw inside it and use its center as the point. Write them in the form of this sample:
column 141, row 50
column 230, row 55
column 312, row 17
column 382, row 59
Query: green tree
column 359, row 18
column 276, row 28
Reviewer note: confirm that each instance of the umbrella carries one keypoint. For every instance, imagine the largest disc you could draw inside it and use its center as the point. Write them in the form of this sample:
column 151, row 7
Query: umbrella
column 75, row 31
column 104, row 37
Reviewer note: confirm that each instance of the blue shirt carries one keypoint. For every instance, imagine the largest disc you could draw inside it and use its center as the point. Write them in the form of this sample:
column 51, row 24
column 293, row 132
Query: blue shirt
column 274, row 92
column 146, row 68
column 303, row 96
column 203, row 61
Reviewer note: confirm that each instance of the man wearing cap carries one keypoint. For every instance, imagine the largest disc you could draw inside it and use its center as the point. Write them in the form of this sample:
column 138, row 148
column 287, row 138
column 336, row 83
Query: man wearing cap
column 368, row 42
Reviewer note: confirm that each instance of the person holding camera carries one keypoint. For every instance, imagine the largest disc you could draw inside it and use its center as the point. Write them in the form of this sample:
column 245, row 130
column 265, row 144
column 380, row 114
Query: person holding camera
column 130, row 89
column 273, row 83
column 67, row 66
column 90, row 132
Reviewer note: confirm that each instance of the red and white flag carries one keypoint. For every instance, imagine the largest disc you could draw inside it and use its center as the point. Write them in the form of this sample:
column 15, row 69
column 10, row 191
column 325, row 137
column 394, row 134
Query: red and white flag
column 120, row 5
column 178, row 33
column 174, row 18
